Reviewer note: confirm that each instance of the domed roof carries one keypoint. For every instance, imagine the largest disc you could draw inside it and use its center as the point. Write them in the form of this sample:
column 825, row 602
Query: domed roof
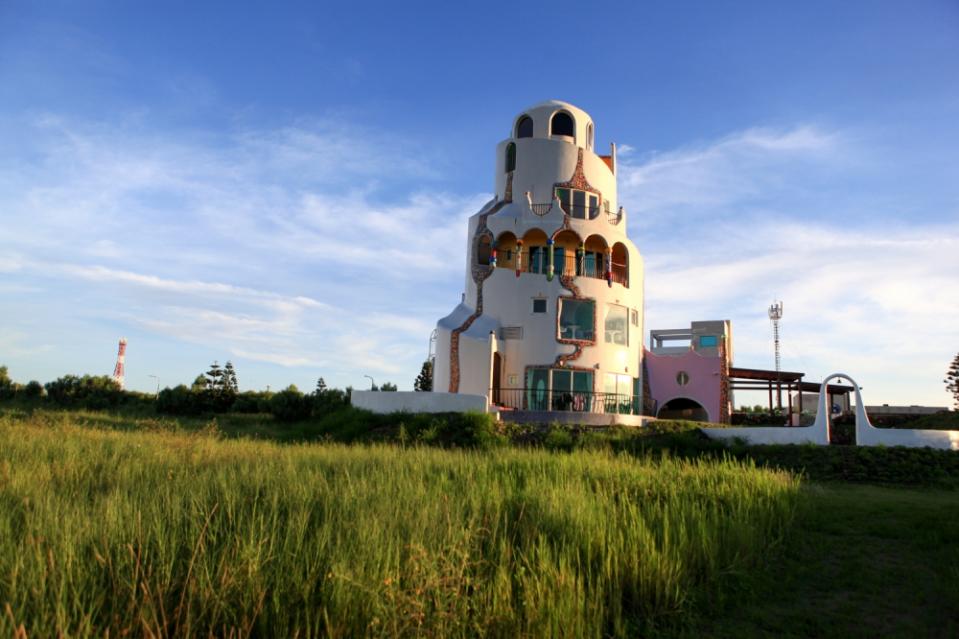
column 544, row 112
column 551, row 106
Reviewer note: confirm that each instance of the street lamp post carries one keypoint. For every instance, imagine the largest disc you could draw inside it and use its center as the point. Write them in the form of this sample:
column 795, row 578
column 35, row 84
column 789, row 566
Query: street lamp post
column 158, row 385
column 372, row 383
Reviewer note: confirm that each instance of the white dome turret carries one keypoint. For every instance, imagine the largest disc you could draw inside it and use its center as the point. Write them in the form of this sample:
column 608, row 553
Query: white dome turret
column 557, row 120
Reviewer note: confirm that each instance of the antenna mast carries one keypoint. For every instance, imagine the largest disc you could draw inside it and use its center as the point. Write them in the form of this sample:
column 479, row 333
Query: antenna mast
column 776, row 314
column 118, row 370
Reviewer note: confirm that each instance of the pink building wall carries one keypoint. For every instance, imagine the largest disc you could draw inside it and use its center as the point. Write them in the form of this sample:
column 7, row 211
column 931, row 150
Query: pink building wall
column 705, row 379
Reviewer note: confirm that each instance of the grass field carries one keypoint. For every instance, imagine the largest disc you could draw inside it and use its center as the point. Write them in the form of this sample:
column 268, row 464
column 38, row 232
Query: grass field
column 157, row 527
column 174, row 534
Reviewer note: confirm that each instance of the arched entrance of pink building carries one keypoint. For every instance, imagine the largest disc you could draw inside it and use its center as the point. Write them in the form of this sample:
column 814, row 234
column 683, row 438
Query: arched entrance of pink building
column 683, row 408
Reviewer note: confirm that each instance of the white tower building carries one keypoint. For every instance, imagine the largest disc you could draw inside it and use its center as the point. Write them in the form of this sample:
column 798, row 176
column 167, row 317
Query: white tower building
column 552, row 314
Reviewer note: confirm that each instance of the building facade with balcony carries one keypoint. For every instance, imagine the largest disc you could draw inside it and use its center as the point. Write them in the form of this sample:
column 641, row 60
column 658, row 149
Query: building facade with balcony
column 552, row 313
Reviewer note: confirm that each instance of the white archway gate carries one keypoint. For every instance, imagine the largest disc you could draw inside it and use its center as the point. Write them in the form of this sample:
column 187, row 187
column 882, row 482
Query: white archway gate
column 869, row 435
column 818, row 433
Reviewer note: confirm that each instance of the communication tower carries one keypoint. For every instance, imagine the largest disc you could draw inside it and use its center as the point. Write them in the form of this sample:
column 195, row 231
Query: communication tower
column 118, row 370
column 776, row 314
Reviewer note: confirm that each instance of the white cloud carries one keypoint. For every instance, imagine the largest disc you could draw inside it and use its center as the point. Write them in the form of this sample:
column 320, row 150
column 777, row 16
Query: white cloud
column 317, row 245
column 745, row 168
column 727, row 228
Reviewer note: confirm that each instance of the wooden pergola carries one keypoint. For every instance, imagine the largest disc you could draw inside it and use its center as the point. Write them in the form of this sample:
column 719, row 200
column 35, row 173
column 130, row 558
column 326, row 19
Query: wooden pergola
column 758, row 379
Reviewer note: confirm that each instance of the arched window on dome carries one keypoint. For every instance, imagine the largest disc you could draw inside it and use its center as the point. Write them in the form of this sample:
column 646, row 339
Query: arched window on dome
column 562, row 124
column 589, row 135
column 510, row 157
column 524, row 128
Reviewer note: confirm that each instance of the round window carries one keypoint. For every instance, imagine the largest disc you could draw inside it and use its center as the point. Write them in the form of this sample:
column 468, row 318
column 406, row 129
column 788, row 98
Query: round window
column 682, row 378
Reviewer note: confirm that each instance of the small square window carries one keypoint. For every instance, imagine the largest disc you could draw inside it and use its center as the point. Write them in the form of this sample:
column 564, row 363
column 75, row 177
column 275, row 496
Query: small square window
column 539, row 305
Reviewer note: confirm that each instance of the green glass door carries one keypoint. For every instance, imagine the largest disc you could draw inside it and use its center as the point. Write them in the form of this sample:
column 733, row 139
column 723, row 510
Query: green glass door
column 537, row 391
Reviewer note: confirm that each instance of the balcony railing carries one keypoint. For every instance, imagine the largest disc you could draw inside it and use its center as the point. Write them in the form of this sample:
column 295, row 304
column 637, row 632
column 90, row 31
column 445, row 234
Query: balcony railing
column 581, row 211
column 575, row 211
column 572, row 265
column 613, row 217
column 539, row 399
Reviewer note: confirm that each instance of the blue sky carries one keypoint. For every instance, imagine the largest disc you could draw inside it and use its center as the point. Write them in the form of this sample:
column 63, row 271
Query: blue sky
column 287, row 186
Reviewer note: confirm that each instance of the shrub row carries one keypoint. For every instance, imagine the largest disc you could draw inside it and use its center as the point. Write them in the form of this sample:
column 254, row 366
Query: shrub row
column 287, row 405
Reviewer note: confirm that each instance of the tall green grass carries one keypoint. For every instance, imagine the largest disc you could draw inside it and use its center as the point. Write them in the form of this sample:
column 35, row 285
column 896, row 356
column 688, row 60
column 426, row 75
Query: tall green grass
column 164, row 533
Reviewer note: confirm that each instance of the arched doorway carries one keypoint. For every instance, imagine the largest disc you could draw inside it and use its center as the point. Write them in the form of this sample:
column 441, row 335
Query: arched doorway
column 683, row 408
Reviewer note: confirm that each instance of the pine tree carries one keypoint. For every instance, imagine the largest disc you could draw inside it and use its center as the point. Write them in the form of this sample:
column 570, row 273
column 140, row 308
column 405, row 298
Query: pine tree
column 320, row 386
column 230, row 384
column 214, row 377
column 952, row 380
column 424, row 381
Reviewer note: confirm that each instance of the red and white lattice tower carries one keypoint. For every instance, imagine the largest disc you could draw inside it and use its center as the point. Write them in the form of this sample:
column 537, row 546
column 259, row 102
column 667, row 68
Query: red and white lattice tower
column 118, row 370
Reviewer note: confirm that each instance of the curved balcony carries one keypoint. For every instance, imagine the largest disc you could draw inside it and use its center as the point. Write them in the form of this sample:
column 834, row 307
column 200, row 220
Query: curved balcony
column 576, row 211
column 571, row 256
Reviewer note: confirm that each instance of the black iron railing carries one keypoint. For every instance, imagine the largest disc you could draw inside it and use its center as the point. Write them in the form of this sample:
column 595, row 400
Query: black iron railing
column 537, row 399
column 613, row 217
column 541, row 209
column 581, row 211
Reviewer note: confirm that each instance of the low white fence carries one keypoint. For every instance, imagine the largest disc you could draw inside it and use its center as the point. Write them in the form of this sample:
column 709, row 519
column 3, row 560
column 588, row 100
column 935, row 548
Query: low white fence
column 818, row 433
column 414, row 402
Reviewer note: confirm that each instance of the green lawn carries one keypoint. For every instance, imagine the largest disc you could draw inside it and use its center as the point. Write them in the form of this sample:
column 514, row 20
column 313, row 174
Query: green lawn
column 863, row 561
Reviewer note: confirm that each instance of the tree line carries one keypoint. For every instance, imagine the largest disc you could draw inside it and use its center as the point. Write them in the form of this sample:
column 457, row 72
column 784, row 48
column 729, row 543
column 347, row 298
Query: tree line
column 214, row 391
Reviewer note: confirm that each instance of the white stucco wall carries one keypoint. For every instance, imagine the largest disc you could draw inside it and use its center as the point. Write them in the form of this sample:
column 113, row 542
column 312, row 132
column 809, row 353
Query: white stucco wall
column 413, row 402
column 818, row 433
column 541, row 162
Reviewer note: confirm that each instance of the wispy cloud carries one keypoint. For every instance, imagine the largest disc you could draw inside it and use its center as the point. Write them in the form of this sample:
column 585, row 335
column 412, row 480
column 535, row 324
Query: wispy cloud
column 728, row 227
column 748, row 168
column 306, row 246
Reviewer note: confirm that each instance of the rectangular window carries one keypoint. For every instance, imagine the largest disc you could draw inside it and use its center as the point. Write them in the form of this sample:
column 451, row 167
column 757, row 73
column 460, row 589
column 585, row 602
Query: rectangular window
column 634, row 317
column 577, row 319
column 579, row 205
column 539, row 305
column 615, row 325
column 707, row 340
column 564, row 199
